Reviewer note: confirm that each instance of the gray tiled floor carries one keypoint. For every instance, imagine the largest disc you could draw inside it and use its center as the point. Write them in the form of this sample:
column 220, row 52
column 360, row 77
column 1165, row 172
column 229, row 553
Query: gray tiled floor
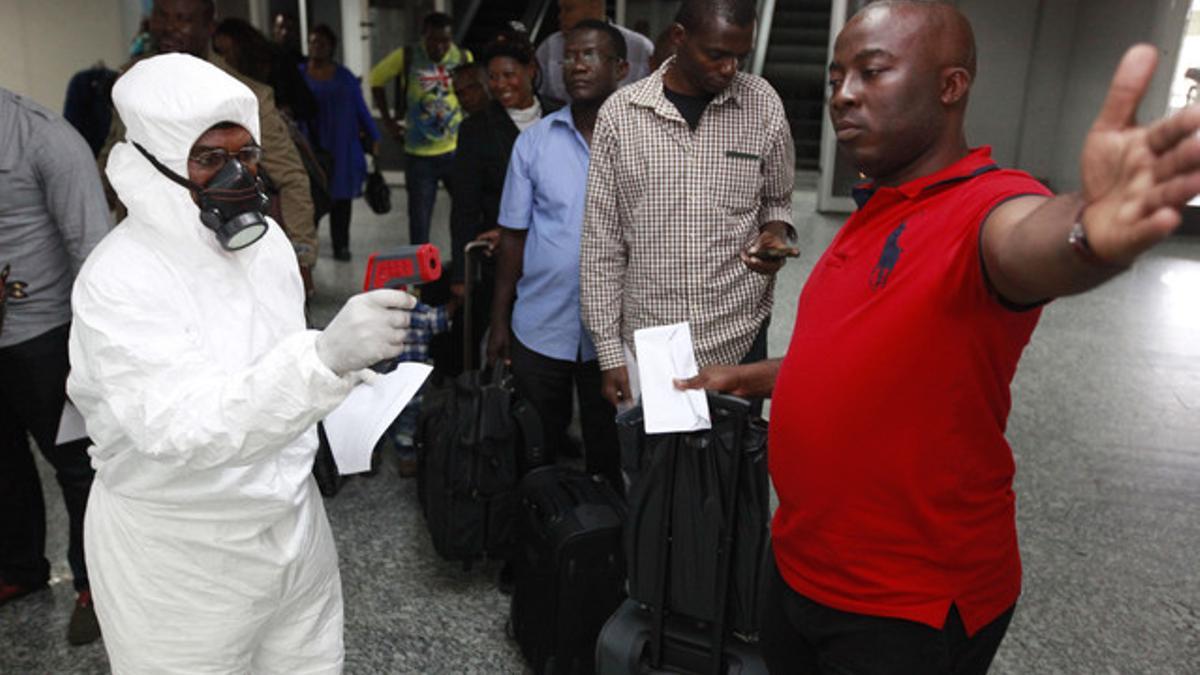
column 1106, row 431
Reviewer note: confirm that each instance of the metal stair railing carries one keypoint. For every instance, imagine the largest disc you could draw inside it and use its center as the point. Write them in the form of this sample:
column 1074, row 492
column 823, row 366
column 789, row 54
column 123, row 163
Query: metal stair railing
column 766, row 17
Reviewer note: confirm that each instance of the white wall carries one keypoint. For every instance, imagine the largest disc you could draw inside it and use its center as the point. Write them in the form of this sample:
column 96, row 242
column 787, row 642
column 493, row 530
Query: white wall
column 1004, row 36
column 1104, row 31
column 44, row 42
column 1045, row 67
column 1049, row 64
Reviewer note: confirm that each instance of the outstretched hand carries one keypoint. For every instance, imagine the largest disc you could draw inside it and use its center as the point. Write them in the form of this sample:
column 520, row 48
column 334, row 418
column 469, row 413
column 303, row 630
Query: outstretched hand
column 725, row 379
column 754, row 380
column 1136, row 179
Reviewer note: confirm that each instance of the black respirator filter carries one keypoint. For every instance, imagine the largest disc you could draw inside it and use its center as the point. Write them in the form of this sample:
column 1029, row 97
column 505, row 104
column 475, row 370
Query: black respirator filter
column 233, row 204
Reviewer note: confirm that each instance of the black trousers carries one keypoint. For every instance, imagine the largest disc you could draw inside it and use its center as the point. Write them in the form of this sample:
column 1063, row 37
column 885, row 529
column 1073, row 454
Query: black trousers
column 33, row 377
column 546, row 383
column 756, row 353
column 339, row 224
column 801, row 637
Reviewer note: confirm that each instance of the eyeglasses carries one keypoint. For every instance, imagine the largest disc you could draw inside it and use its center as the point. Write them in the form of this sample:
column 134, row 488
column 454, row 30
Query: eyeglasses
column 588, row 57
column 216, row 158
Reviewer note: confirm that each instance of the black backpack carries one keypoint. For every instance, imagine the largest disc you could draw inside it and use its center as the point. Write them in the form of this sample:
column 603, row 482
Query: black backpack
column 474, row 440
column 698, row 516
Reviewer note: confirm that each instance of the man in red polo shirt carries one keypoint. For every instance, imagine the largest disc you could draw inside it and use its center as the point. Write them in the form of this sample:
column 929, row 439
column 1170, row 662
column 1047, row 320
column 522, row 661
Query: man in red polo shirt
column 895, row 543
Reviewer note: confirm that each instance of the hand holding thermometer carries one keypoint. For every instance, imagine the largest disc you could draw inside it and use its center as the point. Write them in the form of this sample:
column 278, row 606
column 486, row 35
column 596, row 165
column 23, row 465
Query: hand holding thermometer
column 400, row 268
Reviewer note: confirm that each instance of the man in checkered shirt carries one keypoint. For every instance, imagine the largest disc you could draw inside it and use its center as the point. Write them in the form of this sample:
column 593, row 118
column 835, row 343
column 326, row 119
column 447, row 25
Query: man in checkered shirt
column 689, row 195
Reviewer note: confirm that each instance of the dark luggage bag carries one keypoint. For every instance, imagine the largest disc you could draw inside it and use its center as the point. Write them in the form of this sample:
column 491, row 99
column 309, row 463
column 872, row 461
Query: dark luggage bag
column 471, row 435
column 570, row 572
column 625, row 643
column 695, row 540
column 474, row 440
column 325, row 471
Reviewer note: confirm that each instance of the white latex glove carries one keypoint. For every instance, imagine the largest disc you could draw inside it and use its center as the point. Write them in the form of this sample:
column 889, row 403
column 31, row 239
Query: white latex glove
column 368, row 329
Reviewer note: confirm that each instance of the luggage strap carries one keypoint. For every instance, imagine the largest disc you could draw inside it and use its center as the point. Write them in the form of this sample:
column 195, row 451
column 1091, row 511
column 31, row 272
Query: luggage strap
column 531, row 431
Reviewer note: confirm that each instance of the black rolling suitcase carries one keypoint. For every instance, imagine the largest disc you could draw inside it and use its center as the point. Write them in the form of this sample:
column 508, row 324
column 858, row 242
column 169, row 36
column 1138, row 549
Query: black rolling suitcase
column 570, row 572
column 695, row 539
column 474, row 440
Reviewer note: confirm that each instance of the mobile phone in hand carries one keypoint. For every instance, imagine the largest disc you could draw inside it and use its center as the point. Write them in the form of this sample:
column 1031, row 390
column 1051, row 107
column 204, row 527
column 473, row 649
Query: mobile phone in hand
column 776, row 253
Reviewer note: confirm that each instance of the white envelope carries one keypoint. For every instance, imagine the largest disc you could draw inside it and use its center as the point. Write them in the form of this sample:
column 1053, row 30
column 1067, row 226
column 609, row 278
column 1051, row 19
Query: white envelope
column 354, row 427
column 664, row 354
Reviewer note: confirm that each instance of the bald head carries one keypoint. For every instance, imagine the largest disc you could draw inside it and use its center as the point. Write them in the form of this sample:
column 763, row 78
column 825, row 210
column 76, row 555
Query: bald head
column 899, row 81
column 934, row 27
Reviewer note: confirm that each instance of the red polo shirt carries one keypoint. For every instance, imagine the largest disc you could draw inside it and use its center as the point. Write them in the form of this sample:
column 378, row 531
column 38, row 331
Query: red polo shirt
column 887, row 442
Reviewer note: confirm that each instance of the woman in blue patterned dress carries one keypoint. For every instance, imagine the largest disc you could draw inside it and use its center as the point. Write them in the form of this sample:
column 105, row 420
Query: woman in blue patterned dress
column 343, row 120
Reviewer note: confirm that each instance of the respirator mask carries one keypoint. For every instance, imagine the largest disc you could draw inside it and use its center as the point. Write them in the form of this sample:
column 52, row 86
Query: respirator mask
column 232, row 204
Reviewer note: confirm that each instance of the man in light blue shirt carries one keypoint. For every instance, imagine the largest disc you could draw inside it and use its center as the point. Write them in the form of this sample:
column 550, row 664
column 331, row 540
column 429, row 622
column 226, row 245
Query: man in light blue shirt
column 541, row 215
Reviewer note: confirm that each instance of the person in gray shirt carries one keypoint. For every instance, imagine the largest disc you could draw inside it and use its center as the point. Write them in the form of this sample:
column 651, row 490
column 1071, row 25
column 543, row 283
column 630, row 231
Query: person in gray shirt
column 550, row 52
column 52, row 214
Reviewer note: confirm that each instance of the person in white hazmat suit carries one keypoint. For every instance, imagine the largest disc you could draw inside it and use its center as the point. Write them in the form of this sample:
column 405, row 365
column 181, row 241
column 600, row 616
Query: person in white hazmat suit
column 208, row 542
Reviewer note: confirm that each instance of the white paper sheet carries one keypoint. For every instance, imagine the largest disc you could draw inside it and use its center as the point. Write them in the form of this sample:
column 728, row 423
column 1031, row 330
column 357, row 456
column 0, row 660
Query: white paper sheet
column 70, row 425
column 665, row 353
column 355, row 426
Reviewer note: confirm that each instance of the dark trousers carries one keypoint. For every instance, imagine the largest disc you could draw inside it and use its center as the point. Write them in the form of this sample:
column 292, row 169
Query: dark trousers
column 757, row 352
column 546, row 383
column 33, row 376
column 801, row 637
column 421, row 176
column 339, row 224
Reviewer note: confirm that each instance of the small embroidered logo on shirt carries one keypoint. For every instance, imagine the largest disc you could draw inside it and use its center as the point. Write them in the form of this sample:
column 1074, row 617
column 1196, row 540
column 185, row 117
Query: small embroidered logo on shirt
column 887, row 259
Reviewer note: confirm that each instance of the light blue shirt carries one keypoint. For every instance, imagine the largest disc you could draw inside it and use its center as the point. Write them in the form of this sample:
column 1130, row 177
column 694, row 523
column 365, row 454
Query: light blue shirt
column 544, row 193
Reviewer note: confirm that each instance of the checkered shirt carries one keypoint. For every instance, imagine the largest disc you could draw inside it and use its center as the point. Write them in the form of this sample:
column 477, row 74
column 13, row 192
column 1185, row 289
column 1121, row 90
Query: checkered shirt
column 425, row 322
column 669, row 211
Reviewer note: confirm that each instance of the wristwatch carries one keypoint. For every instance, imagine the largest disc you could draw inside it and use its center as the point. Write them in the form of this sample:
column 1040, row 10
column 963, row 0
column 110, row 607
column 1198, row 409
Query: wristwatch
column 1078, row 241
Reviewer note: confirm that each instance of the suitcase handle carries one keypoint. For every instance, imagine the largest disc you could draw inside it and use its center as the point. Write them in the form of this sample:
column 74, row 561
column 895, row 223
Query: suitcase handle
column 739, row 409
column 469, row 274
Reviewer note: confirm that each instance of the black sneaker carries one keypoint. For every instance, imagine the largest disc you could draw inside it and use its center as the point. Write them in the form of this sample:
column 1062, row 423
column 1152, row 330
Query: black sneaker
column 84, row 628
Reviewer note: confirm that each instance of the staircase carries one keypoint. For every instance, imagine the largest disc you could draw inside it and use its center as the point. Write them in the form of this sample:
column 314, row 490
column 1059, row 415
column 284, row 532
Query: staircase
column 796, row 66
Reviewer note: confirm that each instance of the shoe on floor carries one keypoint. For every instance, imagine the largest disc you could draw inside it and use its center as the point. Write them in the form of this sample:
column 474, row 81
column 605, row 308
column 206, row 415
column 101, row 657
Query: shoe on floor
column 10, row 592
column 84, row 628
column 342, row 254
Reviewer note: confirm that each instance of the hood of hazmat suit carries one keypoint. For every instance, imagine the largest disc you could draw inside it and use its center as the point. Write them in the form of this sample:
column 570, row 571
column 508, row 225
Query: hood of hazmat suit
column 200, row 388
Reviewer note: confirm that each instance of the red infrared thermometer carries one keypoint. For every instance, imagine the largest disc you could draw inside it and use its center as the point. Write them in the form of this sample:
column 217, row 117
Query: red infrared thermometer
column 403, row 266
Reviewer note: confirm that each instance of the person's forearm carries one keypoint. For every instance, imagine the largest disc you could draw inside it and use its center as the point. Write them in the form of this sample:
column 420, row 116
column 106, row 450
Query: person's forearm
column 1033, row 261
column 509, row 263
column 757, row 380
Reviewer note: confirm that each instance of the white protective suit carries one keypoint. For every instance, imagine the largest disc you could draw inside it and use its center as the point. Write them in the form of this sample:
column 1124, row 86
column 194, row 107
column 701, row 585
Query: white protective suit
column 207, row 541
